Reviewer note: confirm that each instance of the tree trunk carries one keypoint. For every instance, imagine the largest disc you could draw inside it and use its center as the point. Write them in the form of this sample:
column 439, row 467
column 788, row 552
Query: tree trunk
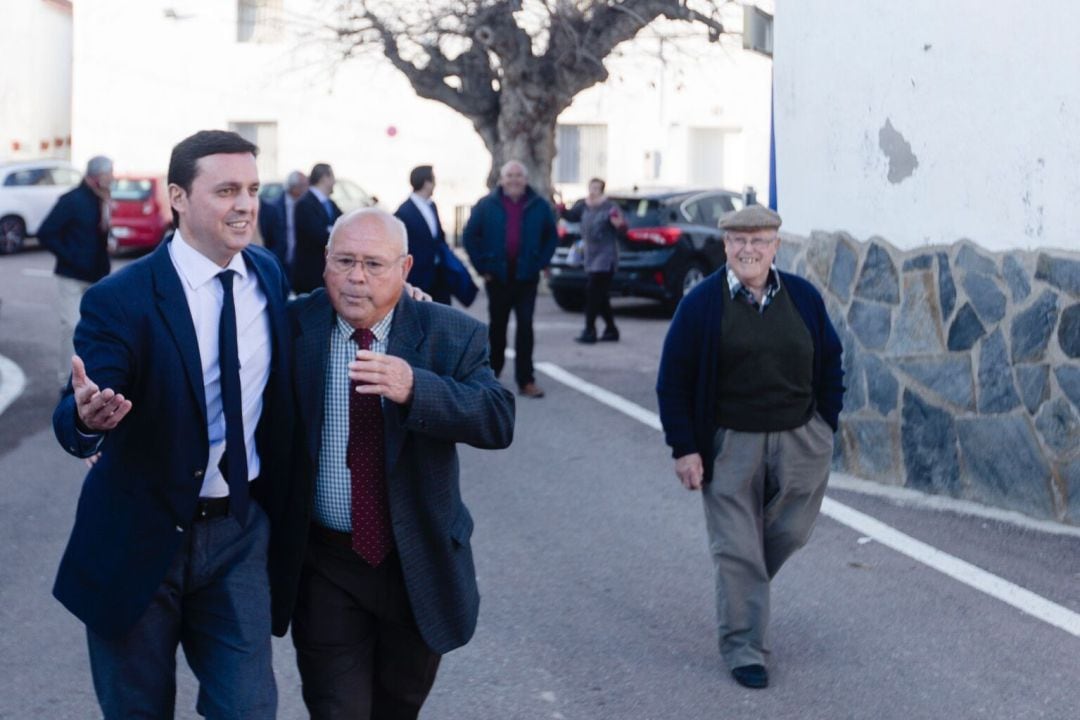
column 524, row 131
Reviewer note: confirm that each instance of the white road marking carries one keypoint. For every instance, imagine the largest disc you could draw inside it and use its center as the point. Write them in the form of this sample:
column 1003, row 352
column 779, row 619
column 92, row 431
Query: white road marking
column 975, row 577
column 12, row 382
column 37, row 272
column 994, row 586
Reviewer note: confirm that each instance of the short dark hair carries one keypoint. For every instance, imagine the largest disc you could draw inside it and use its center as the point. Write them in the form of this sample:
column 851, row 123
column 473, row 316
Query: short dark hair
column 186, row 153
column 318, row 172
column 602, row 183
column 420, row 175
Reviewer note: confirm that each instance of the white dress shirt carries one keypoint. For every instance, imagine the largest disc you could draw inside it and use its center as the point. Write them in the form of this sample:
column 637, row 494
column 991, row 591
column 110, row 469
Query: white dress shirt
column 198, row 276
column 424, row 206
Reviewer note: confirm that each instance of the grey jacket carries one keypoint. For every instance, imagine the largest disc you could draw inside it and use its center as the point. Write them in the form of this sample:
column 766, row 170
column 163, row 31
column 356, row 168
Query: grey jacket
column 601, row 237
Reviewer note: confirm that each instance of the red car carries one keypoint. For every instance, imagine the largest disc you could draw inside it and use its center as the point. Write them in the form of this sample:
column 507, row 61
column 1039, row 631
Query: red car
column 141, row 214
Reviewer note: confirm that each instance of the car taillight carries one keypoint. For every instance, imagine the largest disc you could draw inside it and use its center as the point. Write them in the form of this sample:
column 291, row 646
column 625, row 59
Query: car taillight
column 655, row 235
column 148, row 208
column 560, row 230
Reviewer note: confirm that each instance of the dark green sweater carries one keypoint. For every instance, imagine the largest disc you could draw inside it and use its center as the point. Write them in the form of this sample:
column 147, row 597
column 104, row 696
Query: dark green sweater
column 766, row 367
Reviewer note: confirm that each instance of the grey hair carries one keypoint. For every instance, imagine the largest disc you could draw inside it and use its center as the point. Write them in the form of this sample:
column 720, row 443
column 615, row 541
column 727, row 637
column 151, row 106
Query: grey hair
column 391, row 223
column 294, row 179
column 509, row 163
column 98, row 165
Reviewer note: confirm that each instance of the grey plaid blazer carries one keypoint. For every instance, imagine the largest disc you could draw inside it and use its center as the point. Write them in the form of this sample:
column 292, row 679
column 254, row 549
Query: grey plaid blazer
column 456, row 398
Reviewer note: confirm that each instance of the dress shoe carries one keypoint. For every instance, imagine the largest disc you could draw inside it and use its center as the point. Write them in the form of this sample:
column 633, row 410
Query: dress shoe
column 611, row 334
column 587, row 337
column 751, row 676
column 531, row 390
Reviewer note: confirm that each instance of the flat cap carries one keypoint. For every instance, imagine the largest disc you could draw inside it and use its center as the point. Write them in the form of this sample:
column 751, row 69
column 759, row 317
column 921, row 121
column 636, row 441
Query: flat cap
column 751, row 217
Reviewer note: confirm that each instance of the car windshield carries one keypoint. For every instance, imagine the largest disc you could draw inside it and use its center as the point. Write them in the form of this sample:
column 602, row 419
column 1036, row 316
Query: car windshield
column 136, row 190
column 642, row 212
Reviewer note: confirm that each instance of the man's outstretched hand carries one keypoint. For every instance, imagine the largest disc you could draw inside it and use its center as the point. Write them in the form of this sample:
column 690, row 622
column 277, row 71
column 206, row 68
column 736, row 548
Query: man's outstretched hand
column 99, row 410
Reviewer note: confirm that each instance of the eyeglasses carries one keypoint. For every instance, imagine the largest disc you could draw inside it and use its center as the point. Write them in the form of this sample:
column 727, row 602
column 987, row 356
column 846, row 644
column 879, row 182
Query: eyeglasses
column 373, row 267
column 757, row 242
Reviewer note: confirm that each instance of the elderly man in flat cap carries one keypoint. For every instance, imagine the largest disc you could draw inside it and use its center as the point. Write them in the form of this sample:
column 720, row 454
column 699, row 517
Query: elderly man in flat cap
column 750, row 388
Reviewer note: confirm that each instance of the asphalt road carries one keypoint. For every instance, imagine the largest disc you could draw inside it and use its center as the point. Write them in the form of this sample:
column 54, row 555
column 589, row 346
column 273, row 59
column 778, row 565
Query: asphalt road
column 594, row 571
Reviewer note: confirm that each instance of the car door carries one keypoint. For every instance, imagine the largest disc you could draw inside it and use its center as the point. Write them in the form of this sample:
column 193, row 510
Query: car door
column 31, row 193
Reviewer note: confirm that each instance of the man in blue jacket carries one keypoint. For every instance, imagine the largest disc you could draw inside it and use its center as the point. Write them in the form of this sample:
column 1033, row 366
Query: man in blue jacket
column 76, row 231
column 181, row 383
column 510, row 237
column 750, row 389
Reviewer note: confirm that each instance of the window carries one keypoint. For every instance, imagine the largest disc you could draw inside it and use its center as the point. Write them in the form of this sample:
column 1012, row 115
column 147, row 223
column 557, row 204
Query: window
column 757, row 30
column 263, row 134
column 708, row 209
column 580, row 152
column 29, row 177
column 66, row 176
column 258, row 21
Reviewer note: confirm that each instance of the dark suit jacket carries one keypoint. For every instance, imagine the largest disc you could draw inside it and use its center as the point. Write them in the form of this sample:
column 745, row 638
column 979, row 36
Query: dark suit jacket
column 312, row 231
column 136, row 336
column 72, row 232
column 436, row 270
column 455, row 399
column 272, row 227
column 424, row 249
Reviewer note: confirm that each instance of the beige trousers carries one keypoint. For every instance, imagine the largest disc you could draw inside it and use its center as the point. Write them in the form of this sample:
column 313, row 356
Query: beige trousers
column 69, row 294
column 760, row 507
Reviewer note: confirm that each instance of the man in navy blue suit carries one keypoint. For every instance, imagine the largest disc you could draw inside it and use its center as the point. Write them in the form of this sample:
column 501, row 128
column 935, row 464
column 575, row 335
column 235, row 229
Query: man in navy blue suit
column 426, row 236
column 316, row 213
column 436, row 269
column 277, row 220
column 180, row 389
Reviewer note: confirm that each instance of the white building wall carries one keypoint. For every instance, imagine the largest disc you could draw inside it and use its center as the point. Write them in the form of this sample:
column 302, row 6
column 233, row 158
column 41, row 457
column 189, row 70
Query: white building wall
column 35, row 79
column 985, row 93
column 145, row 79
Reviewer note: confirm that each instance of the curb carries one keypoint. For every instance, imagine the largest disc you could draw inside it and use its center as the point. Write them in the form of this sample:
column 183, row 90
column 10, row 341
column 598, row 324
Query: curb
column 12, row 382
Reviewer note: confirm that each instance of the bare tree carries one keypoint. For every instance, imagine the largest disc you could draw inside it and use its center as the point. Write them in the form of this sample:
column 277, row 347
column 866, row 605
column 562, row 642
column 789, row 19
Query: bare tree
column 509, row 66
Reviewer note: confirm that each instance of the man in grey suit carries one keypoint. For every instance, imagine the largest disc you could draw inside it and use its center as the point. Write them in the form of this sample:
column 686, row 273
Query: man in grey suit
column 378, row 571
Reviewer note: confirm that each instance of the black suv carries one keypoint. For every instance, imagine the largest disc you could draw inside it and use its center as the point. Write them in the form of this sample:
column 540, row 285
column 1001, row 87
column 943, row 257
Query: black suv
column 672, row 243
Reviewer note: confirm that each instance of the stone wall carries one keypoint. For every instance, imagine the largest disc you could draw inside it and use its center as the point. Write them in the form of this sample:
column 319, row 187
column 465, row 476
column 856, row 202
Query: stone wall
column 961, row 367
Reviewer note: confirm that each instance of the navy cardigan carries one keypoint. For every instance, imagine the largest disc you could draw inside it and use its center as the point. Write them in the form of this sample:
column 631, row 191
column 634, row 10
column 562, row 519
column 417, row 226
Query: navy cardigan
column 688, row 377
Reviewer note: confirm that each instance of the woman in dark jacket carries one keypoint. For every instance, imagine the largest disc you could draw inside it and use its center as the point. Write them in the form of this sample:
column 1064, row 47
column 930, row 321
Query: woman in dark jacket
column 601, row 224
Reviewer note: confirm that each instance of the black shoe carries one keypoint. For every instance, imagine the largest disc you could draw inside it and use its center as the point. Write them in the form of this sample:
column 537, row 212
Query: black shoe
column 610, row 335
column 588, row 337
column 751, row 676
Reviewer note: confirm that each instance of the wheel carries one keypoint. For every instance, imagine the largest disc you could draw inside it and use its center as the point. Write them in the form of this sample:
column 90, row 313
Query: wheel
column 692, row 274
column 12, row 234
column 569, row 300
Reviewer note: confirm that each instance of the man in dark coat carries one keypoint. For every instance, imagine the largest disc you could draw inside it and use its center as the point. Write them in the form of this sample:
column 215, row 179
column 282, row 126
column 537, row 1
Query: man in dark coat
column 316, row 213
column 277, row 220
column 377, row 552
column 181, row 388
column 510, row 238
column 750, row 389
column 76, row 231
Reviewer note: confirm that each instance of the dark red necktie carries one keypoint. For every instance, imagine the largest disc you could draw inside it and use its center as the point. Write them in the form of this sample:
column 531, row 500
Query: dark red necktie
column 372, row 535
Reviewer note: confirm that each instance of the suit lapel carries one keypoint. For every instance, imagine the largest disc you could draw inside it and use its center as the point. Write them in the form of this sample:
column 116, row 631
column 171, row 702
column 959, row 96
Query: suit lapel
column 312, row 354
column 406, row 338
column 173, row 306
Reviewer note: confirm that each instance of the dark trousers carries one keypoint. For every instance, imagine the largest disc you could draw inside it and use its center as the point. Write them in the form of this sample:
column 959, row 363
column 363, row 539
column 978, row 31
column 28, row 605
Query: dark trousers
column 597, row 300
column 358, row 649
column 521, row 298
column 215, row 603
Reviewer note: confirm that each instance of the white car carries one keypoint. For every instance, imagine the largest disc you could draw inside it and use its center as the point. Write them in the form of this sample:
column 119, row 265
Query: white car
column 28, row 191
